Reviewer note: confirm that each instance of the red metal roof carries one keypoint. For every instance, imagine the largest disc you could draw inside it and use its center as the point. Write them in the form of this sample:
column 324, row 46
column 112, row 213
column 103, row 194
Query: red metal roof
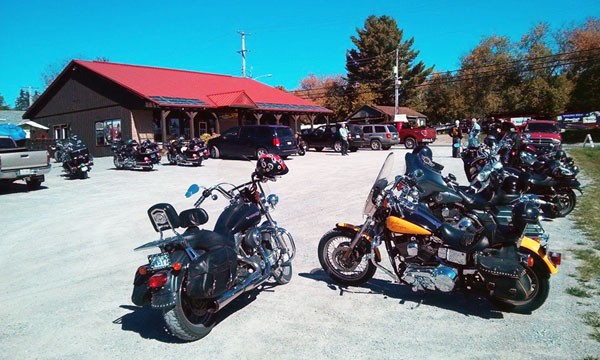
column 170, row 87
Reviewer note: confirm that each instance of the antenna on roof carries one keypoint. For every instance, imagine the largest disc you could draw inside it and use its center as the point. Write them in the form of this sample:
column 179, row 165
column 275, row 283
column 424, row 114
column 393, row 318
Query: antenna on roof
column 243, row 52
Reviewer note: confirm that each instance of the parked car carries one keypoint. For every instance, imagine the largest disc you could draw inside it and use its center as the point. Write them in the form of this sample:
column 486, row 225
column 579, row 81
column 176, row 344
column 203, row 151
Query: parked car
column 543, row 133
column 324, row 136
column 411, row 135
column 379, row 136
column 17, row 163
column 254, row 141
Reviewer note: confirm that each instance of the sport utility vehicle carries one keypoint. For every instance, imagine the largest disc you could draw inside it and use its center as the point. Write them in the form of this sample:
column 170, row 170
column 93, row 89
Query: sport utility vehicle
column 324, row 136
column 254, row 140
column 379, row 136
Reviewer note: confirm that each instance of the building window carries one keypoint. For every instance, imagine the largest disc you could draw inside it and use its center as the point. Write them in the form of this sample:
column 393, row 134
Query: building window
column 107, row 131
column 202, row 127
column 61, row 131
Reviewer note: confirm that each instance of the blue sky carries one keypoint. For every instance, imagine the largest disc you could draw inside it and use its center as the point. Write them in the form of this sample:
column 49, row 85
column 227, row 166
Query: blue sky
column 287, row 39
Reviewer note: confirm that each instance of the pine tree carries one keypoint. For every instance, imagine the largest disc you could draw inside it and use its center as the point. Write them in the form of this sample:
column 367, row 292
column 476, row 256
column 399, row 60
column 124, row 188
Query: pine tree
column 22, row 102
column 371, row 64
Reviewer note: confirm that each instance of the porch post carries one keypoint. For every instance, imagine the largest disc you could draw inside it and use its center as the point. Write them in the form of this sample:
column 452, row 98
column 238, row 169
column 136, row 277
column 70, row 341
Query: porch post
column 163, row 124
column 277, row 118
column 257, row 116
column 192, row 116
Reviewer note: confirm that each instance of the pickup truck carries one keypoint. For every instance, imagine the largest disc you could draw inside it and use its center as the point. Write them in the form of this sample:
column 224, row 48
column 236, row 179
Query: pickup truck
column 17, row 163
column 542, row 133
column 412, row 136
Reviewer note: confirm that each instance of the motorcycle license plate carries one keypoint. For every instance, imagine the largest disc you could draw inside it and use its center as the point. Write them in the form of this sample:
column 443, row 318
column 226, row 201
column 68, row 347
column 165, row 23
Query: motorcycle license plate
column 159, row 261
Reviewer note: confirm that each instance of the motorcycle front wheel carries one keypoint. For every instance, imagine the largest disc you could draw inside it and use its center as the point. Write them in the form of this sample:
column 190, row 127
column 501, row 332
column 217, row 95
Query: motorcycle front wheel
column 540, row 283
column 190, row 319
column 344, row 266
column 564, row 203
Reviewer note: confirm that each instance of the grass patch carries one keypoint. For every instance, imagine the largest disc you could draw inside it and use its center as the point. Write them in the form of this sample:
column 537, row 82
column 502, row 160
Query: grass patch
column 578, row 292
column 592, row 319
column 587, row 212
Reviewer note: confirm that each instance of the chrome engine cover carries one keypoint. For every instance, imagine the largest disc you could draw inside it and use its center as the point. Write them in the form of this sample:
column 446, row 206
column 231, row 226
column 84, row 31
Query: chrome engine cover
column 441, row 277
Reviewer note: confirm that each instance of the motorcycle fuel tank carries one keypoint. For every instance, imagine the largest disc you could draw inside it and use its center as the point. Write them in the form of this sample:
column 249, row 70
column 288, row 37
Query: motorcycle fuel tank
column 401, row 226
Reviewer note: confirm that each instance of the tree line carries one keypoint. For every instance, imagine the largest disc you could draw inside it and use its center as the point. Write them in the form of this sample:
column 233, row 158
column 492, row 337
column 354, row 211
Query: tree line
column 543, row 74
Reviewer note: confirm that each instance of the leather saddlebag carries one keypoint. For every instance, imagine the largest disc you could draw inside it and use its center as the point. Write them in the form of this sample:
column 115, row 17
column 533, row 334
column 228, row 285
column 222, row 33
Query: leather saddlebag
column 504, row 276
column 213, row 273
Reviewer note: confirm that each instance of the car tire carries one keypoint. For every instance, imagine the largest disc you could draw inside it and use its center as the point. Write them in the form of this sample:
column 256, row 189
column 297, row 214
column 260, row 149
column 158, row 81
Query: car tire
column 376, row 144
column 410, row 143
column 214, row 152
column 337, row 146
column 261, row 151
column 318, row 148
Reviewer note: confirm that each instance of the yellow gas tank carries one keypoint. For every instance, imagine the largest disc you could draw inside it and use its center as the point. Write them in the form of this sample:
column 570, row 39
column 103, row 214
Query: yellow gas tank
column 399, row 225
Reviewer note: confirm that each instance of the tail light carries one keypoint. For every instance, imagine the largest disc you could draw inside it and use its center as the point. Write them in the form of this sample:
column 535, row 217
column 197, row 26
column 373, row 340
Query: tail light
column 388, row 135
column 555, row 257
column 157, row 280
column 142, row 270
column 276, row 142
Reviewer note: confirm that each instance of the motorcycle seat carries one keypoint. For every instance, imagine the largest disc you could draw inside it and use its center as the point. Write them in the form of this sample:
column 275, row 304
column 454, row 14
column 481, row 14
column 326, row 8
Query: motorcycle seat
column 204, row 239
column 459, row 239
column 474, row 201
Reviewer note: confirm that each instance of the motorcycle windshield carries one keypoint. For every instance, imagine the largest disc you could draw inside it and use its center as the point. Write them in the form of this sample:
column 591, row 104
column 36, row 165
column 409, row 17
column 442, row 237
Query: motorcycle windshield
column 380, row 183
column 428, row 179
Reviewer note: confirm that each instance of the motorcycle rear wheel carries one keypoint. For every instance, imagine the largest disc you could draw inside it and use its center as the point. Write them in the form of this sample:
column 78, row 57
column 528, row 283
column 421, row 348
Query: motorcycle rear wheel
column 540, row 280
column 355, row 270
column 189, row 320
column 566, row 199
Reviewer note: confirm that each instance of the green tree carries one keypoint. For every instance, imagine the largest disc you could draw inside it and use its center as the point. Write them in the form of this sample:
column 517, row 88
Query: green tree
column 370, row 65
column 583, row 45
column 330, row 91
column 22, row 101
column 445, row 102
column 3, row 106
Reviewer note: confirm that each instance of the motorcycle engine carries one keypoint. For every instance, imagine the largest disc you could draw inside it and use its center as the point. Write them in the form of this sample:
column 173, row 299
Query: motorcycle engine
column 420, row 249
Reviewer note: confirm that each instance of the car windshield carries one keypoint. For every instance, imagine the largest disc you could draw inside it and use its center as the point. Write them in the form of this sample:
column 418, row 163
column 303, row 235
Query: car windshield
column 542, row 128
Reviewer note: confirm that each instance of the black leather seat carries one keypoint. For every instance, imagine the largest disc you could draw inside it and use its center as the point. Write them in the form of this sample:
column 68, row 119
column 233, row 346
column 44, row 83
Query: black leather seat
column 460, row 239
column 474, row 201
column 205, row 239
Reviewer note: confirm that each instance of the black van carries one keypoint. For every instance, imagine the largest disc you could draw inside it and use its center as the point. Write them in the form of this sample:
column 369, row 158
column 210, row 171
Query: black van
column 253, row 141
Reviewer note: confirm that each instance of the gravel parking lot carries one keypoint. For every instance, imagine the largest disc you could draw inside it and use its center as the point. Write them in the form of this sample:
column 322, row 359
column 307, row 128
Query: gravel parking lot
column 68, row 264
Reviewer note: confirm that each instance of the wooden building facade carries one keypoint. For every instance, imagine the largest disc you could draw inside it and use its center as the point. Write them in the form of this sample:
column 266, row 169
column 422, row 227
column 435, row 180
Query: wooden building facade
column 103, row 102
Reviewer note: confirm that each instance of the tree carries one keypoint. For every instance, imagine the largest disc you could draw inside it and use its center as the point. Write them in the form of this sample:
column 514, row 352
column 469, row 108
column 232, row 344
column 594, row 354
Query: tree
column 371, row 64
column 583, row 45
column 329, row 91
column 22, row 102
column 444, row 100
column 2, row 105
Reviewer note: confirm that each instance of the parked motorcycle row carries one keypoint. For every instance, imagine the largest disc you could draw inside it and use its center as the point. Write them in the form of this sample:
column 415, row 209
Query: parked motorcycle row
column 483, row 237
column 75, row 157
column 132, row 155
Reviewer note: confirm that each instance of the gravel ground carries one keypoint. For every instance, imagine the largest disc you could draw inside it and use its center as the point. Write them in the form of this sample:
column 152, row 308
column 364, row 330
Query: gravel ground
column 68, row 265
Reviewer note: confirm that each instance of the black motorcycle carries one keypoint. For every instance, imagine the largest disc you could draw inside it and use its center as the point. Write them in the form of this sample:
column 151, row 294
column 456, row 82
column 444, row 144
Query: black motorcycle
column 183, row 152
column 76, row 159
column 56, row 149
column 426, row 254
column 553, row 181
column 198, row 272
column 131, row 155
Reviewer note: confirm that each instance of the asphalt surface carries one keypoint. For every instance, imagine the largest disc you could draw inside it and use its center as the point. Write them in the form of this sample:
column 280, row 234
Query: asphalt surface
column 67, row 260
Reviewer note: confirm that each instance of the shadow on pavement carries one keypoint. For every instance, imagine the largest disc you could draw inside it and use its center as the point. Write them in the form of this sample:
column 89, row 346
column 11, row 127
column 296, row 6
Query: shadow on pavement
column 466, row 304
column 15, row 188
column 149, row 322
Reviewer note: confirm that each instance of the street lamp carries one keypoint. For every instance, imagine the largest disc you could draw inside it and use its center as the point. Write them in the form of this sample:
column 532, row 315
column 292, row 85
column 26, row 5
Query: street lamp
column 259, row 76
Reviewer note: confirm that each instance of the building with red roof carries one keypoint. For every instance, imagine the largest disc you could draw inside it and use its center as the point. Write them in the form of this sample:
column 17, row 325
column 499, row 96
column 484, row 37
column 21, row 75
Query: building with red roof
column 103, row 102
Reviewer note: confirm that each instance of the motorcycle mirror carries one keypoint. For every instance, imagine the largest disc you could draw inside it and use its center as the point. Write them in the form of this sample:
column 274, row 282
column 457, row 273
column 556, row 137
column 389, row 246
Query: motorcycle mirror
column 192, row 190
column 214, row 197
column 452, row 177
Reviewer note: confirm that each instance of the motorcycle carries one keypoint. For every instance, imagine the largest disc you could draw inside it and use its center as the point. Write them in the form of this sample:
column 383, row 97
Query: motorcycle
column 56, row 150
column 76, row 158
column 131, row 155
column 198, row 272
column 192, row 152
column 426, row 254
column 553, row 181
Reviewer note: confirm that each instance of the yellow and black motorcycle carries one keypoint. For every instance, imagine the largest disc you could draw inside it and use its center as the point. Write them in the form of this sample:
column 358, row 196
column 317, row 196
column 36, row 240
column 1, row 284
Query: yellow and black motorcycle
column 477, row 254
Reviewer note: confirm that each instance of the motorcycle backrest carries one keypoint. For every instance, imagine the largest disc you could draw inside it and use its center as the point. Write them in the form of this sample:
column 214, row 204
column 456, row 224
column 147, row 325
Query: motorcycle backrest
column 193, row 217
column 163, row 217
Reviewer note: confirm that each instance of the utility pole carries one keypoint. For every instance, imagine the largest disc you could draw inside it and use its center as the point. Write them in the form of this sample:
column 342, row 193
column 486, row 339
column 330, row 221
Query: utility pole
column 396, row 86
column 243, row 52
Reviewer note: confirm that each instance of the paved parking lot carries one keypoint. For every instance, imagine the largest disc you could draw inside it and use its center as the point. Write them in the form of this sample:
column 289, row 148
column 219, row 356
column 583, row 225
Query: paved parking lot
column 68, row 265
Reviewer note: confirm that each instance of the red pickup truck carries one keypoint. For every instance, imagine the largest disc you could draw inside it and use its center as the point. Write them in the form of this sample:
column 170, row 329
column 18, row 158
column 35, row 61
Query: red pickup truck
column 542, row 133
column 412, row 136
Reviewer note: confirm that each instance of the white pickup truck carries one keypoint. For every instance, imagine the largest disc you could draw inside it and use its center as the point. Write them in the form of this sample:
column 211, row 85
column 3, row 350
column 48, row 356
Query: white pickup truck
column 17, row 163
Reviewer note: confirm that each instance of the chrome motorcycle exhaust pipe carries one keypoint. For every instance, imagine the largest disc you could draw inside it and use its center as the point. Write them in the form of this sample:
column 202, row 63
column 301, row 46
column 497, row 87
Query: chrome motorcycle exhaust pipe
column 254, row 280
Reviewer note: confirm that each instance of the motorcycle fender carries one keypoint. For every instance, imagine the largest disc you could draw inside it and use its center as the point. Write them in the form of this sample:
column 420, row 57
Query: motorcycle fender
column 535, row 248
column 164, row 298
column 356, row 229
column 575, row 184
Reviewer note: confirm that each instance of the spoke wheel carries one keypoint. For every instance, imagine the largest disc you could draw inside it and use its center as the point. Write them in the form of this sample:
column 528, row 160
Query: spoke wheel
column 345, row 266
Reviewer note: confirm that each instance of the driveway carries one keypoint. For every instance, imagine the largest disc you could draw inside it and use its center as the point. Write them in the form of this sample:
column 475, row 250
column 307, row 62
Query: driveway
column 68, row 263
